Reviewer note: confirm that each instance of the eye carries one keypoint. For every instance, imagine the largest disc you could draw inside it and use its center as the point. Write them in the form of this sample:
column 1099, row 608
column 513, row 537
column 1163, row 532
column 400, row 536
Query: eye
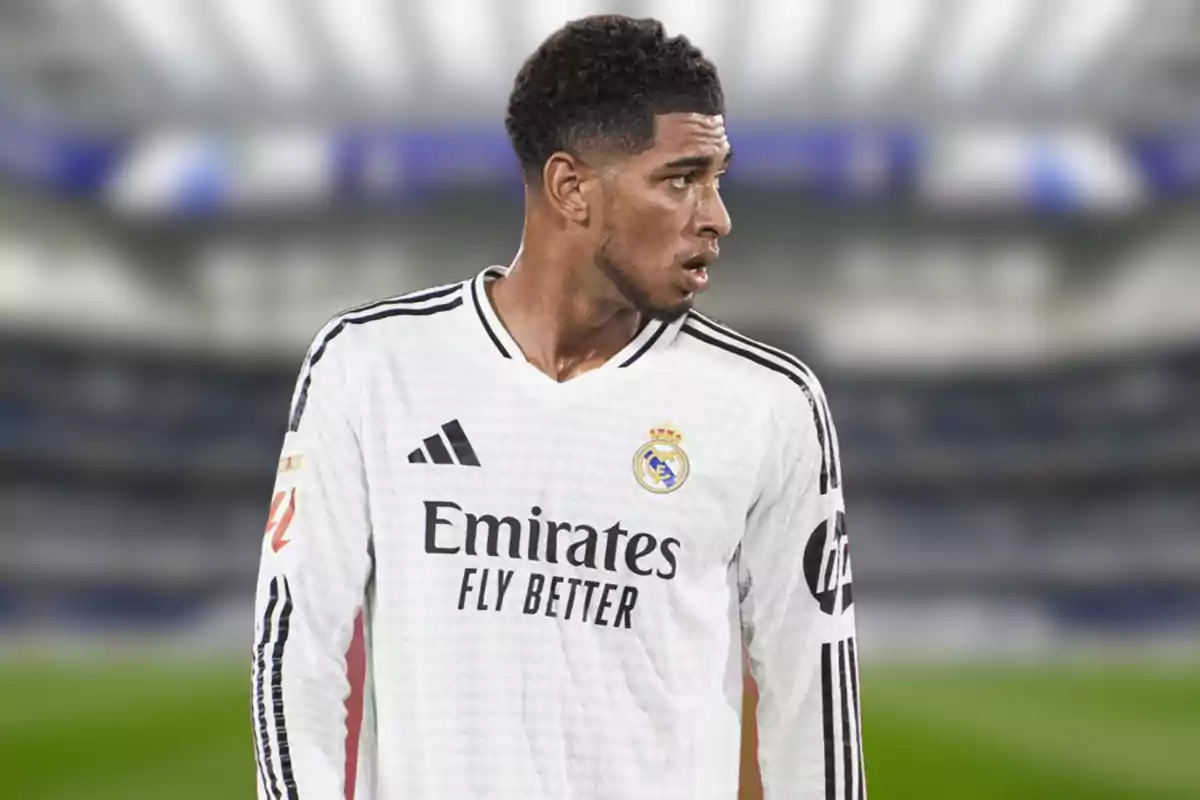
column 681, row 181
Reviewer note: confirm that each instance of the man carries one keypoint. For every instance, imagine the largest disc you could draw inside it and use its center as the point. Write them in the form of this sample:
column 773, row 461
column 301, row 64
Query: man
column 560, row 500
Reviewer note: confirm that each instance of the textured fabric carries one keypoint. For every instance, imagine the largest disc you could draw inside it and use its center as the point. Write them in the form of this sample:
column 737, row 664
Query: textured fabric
column 555, row 580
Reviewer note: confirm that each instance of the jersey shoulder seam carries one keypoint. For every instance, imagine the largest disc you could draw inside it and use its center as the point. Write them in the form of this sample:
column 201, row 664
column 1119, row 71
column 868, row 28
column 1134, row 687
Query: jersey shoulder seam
column 788, row 366
column 773, row 359
column 421, row 303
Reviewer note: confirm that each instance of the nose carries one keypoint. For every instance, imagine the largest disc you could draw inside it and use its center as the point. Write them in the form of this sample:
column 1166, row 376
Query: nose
column 712, row 218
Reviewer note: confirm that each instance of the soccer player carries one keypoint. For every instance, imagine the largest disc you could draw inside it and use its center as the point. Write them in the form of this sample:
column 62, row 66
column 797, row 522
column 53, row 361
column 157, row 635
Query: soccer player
column 556, row 501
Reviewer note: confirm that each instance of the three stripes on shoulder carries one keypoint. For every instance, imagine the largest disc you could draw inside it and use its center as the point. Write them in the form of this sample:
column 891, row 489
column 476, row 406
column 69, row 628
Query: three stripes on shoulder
column 712, row 333
column 417, row 304
column 446, row 298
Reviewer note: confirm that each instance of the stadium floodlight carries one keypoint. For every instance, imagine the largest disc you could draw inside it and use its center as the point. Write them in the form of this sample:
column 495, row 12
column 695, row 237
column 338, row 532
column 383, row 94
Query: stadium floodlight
column 880, row 41
column 980, row 34
column 363, row 39
column 266, row 35
column 1075, row 38
column 463, row 38
column 165, row 29
column 787, row 40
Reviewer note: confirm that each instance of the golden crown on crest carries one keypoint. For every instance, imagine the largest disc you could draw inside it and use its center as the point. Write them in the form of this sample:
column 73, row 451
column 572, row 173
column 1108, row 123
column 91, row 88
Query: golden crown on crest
column 667, row 435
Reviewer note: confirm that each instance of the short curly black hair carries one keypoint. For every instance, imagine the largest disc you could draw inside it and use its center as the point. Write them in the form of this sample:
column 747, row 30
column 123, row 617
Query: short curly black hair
column 599, row 82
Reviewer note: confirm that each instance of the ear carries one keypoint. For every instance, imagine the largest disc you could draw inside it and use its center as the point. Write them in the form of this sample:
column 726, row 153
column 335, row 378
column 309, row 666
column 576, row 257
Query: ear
column 568, row 185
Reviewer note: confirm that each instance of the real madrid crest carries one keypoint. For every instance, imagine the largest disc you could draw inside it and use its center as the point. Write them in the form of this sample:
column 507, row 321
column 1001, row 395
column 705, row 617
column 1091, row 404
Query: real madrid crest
column 660, row 465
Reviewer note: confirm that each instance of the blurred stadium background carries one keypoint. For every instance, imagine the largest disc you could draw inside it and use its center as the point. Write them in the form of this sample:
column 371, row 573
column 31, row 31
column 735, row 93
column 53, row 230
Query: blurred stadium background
column 979, row 220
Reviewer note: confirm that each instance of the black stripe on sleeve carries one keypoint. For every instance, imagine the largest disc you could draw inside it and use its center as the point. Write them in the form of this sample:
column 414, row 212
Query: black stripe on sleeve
column 302, row 399
column 462, row 447
column 847, row 742
column 862, row 775
column 800, row 366
column 417, row 457
column 255, row 694
column 787, row 373
column 835, row 471
column 410, row 299
column 261, row 780
column 827, row 720
column 437, row 450
column 424, row 311
column 782, row 355
column 264, row 737
column 281, row 736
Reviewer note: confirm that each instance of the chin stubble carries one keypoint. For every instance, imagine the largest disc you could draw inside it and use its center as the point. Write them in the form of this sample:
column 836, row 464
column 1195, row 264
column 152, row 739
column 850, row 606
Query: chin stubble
column 633, row 293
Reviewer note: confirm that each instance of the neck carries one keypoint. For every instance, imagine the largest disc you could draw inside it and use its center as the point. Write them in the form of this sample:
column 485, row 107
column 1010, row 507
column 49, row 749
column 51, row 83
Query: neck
column 561, row 313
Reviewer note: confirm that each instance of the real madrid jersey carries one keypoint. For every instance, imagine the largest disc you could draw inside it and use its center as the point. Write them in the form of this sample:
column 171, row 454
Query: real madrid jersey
column 552, row 583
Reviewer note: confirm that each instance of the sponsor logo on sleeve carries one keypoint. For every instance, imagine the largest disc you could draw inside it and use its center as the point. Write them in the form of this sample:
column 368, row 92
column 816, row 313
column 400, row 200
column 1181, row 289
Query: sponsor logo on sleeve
column 280, row 518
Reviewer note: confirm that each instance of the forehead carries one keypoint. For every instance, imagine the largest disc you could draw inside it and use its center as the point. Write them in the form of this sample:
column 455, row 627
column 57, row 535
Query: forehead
column 682, row 135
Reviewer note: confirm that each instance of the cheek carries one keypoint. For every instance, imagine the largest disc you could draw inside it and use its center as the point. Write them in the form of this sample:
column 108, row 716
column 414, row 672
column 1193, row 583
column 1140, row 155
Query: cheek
column 654, row 232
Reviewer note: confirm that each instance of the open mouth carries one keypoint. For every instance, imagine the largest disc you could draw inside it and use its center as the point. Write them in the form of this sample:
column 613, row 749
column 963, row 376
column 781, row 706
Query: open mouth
column 696, row 269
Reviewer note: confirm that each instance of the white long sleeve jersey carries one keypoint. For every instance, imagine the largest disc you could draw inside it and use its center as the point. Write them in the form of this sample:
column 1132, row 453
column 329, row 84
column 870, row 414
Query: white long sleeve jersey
column 553, row 581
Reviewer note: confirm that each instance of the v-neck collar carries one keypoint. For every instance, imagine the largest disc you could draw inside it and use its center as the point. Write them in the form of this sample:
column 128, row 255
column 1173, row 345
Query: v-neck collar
column 653, row 335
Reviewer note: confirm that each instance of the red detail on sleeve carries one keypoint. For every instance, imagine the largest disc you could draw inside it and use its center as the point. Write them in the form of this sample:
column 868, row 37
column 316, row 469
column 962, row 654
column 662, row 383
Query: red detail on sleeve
column 278, row 542
column 356, row 671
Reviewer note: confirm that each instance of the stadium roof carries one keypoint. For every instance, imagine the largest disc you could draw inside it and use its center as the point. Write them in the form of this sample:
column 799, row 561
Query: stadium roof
column 132, row 63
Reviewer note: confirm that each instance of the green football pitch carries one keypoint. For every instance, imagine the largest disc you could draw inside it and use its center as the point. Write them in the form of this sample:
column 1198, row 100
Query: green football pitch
column 142, row 732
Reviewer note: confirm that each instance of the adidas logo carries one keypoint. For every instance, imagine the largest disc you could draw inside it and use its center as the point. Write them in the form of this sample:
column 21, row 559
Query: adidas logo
column 435, row 447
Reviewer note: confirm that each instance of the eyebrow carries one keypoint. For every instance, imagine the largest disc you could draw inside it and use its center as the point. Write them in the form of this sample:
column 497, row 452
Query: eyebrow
column 697, row 162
